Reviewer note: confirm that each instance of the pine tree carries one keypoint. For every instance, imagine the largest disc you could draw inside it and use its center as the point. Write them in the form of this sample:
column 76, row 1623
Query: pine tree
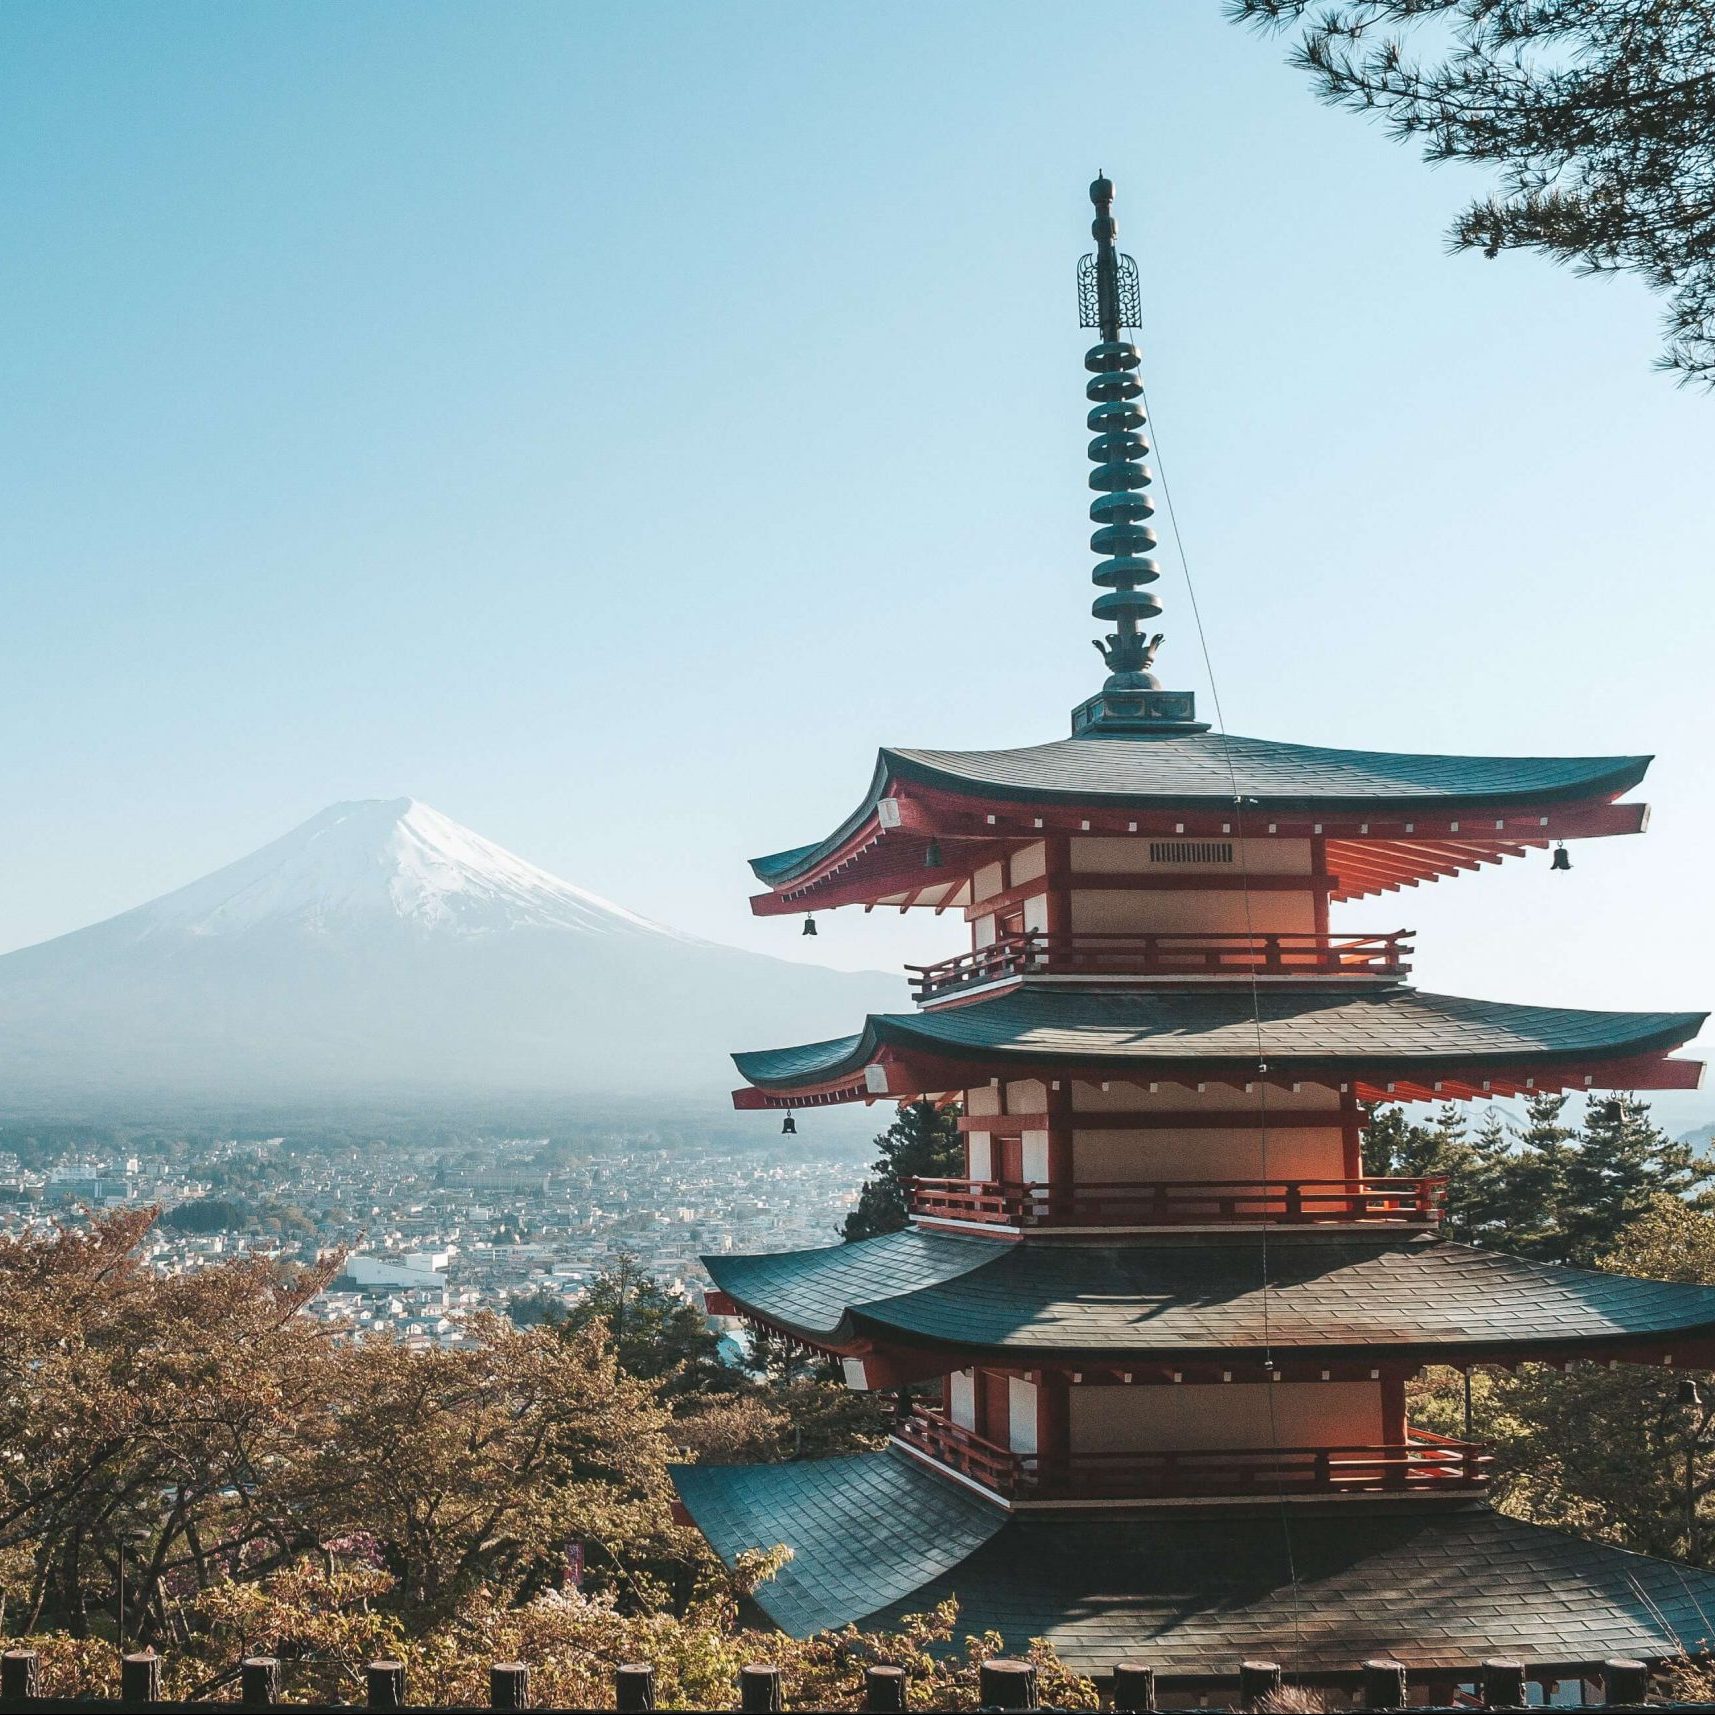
column 1531, row 1191
column 1595, row 118
column 923, row 1142
column 1623, row 1161
column 1397, row 1147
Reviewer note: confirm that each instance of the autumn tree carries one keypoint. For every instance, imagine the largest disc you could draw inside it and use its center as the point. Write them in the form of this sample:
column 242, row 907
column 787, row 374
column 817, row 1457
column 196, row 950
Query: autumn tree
column 1597, row 118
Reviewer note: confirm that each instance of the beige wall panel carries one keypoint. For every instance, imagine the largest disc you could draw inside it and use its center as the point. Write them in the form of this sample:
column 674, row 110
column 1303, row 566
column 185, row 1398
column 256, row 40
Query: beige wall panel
column 1191, row 912
column 1292, row 1153
column 1234, row 1415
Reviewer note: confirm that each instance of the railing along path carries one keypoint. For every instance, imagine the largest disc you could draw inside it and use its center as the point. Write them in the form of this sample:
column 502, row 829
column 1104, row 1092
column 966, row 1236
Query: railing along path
column 1251, row 1686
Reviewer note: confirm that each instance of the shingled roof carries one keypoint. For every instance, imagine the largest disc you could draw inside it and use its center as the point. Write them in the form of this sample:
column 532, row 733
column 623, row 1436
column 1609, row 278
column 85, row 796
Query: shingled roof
column 1425, row 1298
column 1193, row 771
column 1370, row 1035
column 875, row 1537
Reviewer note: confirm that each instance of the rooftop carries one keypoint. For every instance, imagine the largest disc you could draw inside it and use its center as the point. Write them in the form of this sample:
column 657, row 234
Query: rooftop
column 875, row 1537
column 1426, row 1300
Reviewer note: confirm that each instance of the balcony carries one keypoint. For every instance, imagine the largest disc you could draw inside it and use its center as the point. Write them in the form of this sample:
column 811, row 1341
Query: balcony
column 1037, row 953
column 1183, row 1202
column 1424, row 1464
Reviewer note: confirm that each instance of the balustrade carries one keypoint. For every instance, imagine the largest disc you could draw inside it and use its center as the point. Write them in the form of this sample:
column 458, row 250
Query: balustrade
column 1424, row 1463
column 1182, row 1202
column 1037, row 953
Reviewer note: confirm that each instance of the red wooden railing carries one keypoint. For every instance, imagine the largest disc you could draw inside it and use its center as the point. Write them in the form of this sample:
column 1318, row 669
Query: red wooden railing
column 1181, row 1202
column 1036, row 952
column 1425, row 1462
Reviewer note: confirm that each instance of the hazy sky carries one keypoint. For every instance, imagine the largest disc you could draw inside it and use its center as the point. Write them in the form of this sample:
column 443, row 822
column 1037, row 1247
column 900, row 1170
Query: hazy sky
column 609, row 423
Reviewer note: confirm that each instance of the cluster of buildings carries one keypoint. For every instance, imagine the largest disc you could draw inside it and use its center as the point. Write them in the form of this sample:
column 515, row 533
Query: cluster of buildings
column 434, row 1234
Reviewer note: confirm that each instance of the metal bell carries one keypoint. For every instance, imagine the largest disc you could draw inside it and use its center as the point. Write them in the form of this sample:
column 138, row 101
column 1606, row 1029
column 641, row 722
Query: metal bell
column 932, row 855
column 1562, row 858
column 809, row 924
column 788, row 1127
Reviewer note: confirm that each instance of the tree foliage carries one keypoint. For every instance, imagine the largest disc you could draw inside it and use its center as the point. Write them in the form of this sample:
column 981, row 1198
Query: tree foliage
column 923, row 1142
column 1596, row 1450
column 1542, row 1187
column 1596, row 116
column 202, row 1429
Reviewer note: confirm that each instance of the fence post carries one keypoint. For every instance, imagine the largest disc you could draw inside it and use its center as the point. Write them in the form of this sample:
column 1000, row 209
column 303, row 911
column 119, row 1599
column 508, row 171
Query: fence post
column 509, row 1685
column 1006, row 1685
column 1384, row 1684
column 385, row 1684
column 140, row 1677
column 259, row 1681
column 1134, row 1688
column 1503, row 1684
column 634, row 1688
column 20, row 1675
column 1257, row 1680
column 883, row 1690
column 759, row 1690
column 1625, row 1681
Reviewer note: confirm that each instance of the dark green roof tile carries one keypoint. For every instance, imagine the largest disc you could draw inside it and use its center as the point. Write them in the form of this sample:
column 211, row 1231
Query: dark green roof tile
column 1375, row 1033
column 1199, row 770
column 1184, row 1299
column 1189, row 1591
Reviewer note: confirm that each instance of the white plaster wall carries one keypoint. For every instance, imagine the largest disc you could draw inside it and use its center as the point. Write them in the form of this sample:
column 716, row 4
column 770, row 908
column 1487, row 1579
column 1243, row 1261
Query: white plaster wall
column 984, row 1099
column 1029, row 863
column 1026, row 1096
column 987, row 882
column 1035, row 1156
column 1153, row 1418
column 962, row 1398
column 1021, row 1414
column 1292, row 1152
column 979, row 1155
column 982, row 931
column 1036, row 912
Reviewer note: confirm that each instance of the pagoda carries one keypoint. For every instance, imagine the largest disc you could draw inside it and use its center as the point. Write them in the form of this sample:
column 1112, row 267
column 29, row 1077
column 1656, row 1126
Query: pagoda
column 1169, row 1316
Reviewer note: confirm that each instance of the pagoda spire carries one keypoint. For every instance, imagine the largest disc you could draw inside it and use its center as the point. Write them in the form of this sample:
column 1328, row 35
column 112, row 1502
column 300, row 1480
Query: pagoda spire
column 1109, row 300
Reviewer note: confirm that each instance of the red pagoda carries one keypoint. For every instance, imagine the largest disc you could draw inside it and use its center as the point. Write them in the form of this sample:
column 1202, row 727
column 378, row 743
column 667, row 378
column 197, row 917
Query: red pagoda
column 1171, row 1318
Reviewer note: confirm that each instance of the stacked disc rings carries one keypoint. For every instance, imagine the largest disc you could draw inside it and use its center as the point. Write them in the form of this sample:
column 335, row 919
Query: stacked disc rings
column 1120, row 478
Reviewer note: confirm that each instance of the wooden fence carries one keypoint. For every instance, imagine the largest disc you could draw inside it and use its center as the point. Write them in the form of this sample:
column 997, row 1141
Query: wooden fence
column 1256, row 1686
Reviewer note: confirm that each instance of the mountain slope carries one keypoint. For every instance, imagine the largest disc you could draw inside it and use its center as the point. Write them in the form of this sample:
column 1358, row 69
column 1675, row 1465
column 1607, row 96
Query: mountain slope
column 380, row 949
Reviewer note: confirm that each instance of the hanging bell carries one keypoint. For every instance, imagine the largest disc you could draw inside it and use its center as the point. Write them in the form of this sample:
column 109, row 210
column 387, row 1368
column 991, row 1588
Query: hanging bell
column 788, row 1127
column 932, row 855
column 809, row 924
column 1562, row 858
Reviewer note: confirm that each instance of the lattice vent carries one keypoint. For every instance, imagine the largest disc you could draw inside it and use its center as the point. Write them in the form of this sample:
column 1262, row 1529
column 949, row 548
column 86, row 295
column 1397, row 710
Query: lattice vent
column 1190, row 851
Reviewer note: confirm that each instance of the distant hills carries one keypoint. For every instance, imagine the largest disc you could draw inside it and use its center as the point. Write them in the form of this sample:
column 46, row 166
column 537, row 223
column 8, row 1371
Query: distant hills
column 381, row 951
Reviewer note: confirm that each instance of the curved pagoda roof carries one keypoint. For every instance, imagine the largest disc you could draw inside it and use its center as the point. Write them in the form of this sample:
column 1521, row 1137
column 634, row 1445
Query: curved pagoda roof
column 1387, row 1041
column 875, row 1537
column 1426, row 1300
column 1204, row 779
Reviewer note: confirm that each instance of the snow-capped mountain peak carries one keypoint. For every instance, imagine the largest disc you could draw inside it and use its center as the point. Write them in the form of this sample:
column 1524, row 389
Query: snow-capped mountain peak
column 382, row 860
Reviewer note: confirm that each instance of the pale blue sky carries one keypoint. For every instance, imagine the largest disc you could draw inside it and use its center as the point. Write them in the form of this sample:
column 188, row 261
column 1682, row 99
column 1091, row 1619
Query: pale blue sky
column 608, row 423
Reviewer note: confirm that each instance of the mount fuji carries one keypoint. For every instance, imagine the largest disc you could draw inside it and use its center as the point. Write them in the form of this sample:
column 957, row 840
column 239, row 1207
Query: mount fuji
column 381, row 950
